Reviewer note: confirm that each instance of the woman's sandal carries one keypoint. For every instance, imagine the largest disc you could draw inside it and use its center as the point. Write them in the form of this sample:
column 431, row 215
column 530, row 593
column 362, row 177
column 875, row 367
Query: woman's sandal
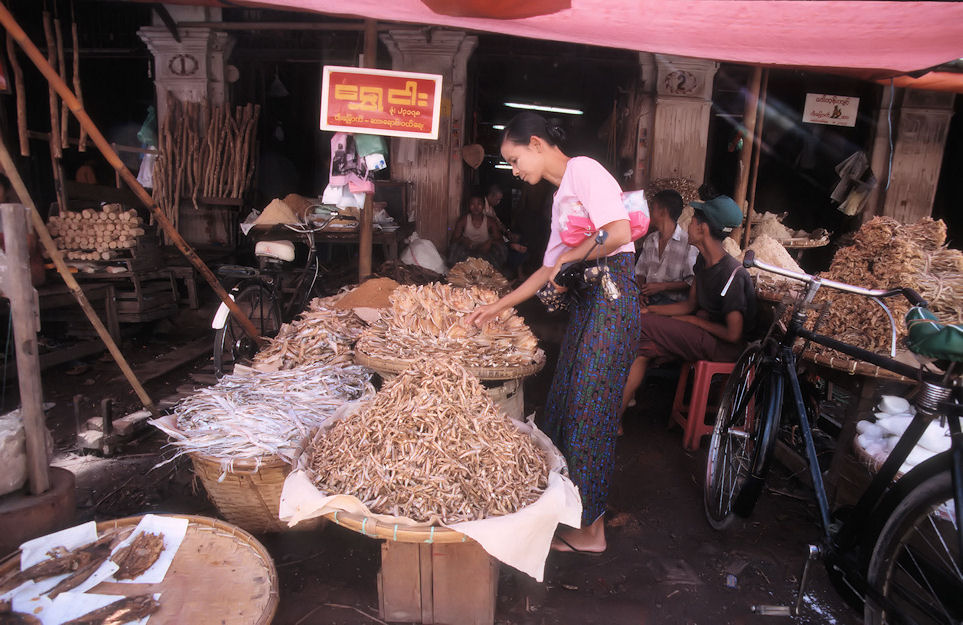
column 573, row 549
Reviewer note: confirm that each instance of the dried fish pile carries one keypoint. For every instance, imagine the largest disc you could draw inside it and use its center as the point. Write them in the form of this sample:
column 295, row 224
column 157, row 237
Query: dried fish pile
column 137, row 556
column 771, row 251
column 430, row 446
column 478, row 272
column 408, row 274
column 428, row 321
column 124, row 610
column 688, row 189
column 322, row 334
column 261, row 414
column 887, row 254
column 770, row 224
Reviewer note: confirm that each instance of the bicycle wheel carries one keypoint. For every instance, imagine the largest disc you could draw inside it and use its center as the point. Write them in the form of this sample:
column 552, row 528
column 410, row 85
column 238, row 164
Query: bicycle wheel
column 741, row 438
column 231, row 344
column 915, row 566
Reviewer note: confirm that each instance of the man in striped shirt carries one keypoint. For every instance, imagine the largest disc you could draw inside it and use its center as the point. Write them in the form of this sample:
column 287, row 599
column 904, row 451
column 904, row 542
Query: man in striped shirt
column 664, row 268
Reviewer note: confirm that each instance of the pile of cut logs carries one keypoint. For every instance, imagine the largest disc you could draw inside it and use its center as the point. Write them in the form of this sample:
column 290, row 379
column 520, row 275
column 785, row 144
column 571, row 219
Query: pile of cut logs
column 96, row 235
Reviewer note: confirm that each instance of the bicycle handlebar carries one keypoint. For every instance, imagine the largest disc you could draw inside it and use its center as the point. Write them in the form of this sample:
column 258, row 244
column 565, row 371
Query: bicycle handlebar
column 914, row 298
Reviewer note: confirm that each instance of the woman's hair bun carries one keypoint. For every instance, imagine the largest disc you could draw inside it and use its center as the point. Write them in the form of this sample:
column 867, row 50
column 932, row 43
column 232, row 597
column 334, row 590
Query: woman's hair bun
column 553, row 127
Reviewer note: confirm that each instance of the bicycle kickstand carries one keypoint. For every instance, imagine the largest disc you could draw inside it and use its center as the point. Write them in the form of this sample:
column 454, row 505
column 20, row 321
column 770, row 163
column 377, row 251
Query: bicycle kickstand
column 784, row 610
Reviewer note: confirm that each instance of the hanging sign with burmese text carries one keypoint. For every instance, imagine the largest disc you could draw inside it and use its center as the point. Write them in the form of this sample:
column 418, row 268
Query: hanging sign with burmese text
column 835, row 110
column 380, row 102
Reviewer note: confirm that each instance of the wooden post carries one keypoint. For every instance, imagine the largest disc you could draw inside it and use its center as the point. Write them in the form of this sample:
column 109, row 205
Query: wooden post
column 365, row 233
column 756, row 151
column 6, row 161
column 749, row 123
column 54, row 79
column 24, row 309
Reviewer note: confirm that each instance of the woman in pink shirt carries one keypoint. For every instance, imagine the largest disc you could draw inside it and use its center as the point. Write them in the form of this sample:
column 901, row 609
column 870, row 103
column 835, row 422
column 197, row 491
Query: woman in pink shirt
column 581, row 411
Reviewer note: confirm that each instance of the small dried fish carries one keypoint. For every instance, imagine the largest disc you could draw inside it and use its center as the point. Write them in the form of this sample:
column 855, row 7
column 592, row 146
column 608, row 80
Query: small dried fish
column 138, row 555
column 259, row 414
column 126, row 610
column 430, row 446
column 428, row 321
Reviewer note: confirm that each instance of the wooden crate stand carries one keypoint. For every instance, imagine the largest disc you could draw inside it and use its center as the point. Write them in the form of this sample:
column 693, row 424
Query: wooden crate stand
column 441, row 583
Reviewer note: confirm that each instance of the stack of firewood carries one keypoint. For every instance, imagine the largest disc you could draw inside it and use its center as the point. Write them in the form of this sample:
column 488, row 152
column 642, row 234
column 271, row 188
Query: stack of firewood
column 204, row 152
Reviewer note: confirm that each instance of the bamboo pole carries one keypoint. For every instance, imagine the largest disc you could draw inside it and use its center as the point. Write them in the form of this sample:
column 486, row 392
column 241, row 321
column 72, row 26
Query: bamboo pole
column 55, row 255
column 62, row 68
column 55, row 149
column 23, row 306
column 82, row 144
column 756, row 151
column 366, row 226
column 10, row 23
column 748, row 123
column 21, row 97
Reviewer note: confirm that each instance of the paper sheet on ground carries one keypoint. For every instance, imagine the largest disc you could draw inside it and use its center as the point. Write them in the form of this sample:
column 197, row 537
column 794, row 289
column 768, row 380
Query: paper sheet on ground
column 522, row 539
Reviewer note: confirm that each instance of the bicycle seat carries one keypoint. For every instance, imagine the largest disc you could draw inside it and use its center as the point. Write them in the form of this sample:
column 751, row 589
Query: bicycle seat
column 278, row 250
column 929, row 337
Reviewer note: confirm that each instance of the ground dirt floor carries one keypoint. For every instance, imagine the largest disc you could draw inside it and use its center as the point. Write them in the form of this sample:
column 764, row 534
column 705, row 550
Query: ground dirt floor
column 664, row 565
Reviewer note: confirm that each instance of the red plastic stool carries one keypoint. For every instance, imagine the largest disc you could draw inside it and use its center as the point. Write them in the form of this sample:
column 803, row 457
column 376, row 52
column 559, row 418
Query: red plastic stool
column 692, row 416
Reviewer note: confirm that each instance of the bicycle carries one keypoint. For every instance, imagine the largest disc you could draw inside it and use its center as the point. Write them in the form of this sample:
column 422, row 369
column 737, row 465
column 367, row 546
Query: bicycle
column 260, row 293
column 899, row 551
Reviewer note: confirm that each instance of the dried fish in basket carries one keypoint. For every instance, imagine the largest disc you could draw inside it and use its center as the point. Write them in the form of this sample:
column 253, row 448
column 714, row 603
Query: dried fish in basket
column 322, row 334
column 428, row 321
column 478, row 272
column 430, row 447
column 255, row 414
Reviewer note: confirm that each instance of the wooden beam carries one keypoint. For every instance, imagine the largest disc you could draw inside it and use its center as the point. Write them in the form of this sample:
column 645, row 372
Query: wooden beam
column 367, row 217
column 169, row 22
column 54, row 79
column 749, row 123
column 24, row 311
column 756, row 151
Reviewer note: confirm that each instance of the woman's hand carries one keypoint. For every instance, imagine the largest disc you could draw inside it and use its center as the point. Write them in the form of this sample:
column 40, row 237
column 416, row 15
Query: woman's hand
column 483, row 314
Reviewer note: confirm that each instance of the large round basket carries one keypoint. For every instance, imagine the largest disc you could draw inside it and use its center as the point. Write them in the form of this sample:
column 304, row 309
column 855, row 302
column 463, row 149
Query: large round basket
column 249, row 494
column 833, row 360
column 220, row 574
column 397, row 365
column 372, row 527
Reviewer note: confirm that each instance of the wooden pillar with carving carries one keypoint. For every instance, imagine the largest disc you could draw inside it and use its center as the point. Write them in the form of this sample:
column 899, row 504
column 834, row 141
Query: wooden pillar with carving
column 681, row 129
column 433, row 167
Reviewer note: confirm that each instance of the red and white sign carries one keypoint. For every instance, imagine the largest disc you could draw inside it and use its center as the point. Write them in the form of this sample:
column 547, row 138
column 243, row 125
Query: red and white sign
column 834, row 110
column 380, row 102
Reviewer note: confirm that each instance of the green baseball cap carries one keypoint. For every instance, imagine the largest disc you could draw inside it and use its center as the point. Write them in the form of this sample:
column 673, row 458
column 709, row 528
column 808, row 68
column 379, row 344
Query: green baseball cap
column 720, row 212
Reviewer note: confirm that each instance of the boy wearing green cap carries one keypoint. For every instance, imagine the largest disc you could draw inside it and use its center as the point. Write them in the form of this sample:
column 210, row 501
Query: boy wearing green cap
column 721, row 307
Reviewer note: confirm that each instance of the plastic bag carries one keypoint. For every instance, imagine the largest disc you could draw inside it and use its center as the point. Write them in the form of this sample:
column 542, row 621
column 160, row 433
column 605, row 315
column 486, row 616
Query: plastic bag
column 148, row 130
column 423, row 253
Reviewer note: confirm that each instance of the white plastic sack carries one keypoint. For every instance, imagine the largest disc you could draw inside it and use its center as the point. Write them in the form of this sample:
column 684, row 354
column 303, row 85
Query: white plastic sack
column 521, row 539
column 13, row 453
column 423, row 253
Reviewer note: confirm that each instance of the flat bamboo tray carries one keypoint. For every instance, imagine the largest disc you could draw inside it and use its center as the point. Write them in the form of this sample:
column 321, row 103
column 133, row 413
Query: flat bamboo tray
column 397, row 365
column 220, row 574
column 852, row 367
column 372, row 527
column 803, row 242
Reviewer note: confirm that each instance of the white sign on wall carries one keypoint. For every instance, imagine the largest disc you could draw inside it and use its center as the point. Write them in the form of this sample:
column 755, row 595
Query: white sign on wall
column 835, row 110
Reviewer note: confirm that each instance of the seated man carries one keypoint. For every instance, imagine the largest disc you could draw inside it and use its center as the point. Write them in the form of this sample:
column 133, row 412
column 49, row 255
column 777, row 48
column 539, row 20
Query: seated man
column 721, row 308
column 476, row 235
column 664, row 268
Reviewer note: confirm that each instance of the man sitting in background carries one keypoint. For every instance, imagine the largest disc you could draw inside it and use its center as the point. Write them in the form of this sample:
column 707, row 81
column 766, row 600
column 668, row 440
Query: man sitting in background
column 664, row 268
column 711, row 324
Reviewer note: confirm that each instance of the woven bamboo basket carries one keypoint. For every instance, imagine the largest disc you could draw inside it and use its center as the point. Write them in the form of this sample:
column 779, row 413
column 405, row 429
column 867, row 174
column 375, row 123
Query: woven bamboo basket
column 397, row 365
column 832, row 359
column 221, row 574
column 249, row 494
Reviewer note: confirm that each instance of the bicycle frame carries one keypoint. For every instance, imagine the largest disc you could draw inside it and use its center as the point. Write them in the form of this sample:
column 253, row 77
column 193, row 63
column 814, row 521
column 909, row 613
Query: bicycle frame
column 874, row 506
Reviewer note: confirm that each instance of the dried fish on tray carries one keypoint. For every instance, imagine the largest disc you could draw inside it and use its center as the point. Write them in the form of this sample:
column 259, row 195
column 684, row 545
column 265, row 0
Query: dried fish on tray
column 124, row 610
column 138, row 556
column 478, row 272
column 80, row 563
column 430, row 446
column 887, row 254
column 427, row 321
column 322, row 334
column 254, row 414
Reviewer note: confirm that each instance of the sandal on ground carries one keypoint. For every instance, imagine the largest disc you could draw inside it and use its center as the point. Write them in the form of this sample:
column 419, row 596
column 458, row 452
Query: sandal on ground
column 569, row 548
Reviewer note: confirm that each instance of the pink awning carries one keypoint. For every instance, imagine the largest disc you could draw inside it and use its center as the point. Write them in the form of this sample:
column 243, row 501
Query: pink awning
column 885, row 38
